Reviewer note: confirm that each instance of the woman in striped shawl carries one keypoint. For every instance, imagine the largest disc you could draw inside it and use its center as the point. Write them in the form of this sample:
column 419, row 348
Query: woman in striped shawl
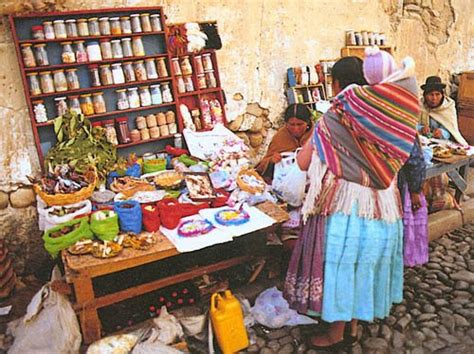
column 348, row 262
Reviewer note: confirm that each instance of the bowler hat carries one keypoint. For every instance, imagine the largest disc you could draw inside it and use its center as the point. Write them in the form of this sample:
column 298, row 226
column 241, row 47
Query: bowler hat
column 433, row 83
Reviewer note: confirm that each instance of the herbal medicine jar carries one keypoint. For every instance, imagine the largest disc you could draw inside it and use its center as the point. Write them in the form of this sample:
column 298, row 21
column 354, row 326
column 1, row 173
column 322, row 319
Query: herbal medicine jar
column 115, row 26
column 35, row 88
column 164, row 131
column 72, row 79
column 145, row 97
column 41, row 55
column 67, row 55
column 93, row 25
column 155, row 23
column 60, row 82
column 74, row 105
column 135, row 135
column 140, row 122
column 137, row 46
column 61, row 105
column 28, row 56
column 37, row 32
column 172, row 128
column 188, row 83
column 106, row 49
column 82, row 28
column 104, row 26
column 175, row 66
column 161, row 118
column 71, row 28
column 122, row 100
column 122, row 129
column 81, row 54
column 135, row 22
column 59, row 29
column 156, row 94
column 94, row 75
column 166, row 92
column 207, row 62
column 48, row 30
column 198, row 65
column 145, row 134
column 151, row 68
column 117, row 74
column 128, row 71
column 40, row 111
column 161, row 67
column 170, row 117
column 105, row 73
column 140, row 71
column 145, row 21
column 180, row 84
column 125, row 25
column 186, row 68
column 151, row 121
column 201, row 81
column 155, row 132
column 98, row 102
column 127, row 47
column 133, row 97
column 117, row 52
column 93, row 51
column 46, row 81
column 87, row 107
column 110, row 133
column 211, row 79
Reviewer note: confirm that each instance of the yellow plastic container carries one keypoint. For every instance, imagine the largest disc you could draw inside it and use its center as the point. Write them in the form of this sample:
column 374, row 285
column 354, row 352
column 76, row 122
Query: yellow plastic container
column 228, row 323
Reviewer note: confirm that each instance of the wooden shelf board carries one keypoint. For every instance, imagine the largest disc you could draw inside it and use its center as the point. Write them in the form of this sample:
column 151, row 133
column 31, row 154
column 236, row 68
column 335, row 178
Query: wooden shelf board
column 140, row 142
column 89, row 38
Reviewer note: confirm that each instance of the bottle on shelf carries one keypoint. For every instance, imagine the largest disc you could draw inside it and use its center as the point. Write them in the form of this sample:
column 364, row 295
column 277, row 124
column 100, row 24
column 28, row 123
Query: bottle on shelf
column 34, row 83
column 128, row 71
column 61, row 105
column 133, row 97
column 41, row 55
column 126, row 25
column 115, row 26
column 117, row 51
column 145, row 21
column 46, row 82
column 87, row 107
column 40, row 111
column 48, row 30
column 71, row 28
column 135, row 23
column 98, row 102
column 104, row 26
column 94, row 75
column 93, row 51
column 60, row 82
column 74, row 105
column 68, row 55
column 59, row 29
column 28, row 56
column 127, row 47
column 37, row 32
column 106, row 48
column 155, row 23
column 122, row 100
column 81, row 53
column 82, row 28
column 93, row 26
column 123, row 131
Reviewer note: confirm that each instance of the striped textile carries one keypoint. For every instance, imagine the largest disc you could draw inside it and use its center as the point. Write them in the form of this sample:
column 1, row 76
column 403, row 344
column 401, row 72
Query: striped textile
column 368, row 134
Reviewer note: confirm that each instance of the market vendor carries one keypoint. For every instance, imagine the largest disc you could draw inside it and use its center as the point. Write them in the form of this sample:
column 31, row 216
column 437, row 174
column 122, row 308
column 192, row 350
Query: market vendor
column 439, row 115
column 296, row 131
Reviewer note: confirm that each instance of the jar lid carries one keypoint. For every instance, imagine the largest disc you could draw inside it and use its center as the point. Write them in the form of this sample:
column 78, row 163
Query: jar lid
column 139, row 62
column 136, row 37
column 82, row 20
column 155, row 15
column 96, row 124
column 92, row 19
column 206, row 55
column 121, row 119
column 200, row 75
column 63, row 43
column 26, row 44
column 132, row 89
column 97, row 93
column 45, row 72
column 47, row 22
column 71, row 70
column 104, row 65
column 78, row 42
column 103, row 40
column 155, row 86
column 73, row 97
column 117, row 64
column 40, row 45
column 144, row 87
column 127, row 62
column 150, row 59
column 92, row 43
column 134, row 15
column 126, row 39
column 103, row 19
column 31, row 74
column 37, row 101
column 177, row 135
column 208, row 71
column 120, row 90
column 60, row 98
column 93, row 66
column 115, row 41
column 70, row 20
column 114, row 19
column 58, row 71
column 110, row 121
column 124, row 17
column 145, row 14
column 134, row 131
column 58, row 21
column 37, row 28
column 86, row 95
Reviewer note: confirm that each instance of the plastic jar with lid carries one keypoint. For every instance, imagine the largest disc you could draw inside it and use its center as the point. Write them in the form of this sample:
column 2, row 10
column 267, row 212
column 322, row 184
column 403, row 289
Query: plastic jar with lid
column 87, row 107
column 154, row 132
column 61, row 105
column 172, row 128
column 161, row 118
column 74, row 105
column 140, row 122
column 115, row 25
column 166, row 92
column 151, row 121
column 122, row 130
column 60, row 82
column 155, row 23
column 133, row 97
column 175, row 66
column 210, row 79
column 186, row 68
column 81, row 53
column 145, row 134
column 188, row 83
column 104, row 26
column 170, row 117
column 198, row 65
column 41, row 55
column 137, row 46
column 67, row 55
column 128, row 71
column 140, row 71
column 48, row 29
column 72, row 79
column 180, row 84
column 110, row 133
column 207, row 62
column 94, row 75
column 125, row 25
column 71, row 28
column 135, row 135
column 155, row 93
column 93, row 25
column 40, row 111
column 59, row 29
column 127, row 47
column 93, row 51
column 46, row 81
column 122, row 100
column 106, row 48
column 117, row 74
column 37, row 32
column 151, row 68
column 28, row 56
column 105, row 73
column 145, row 97
column 98, row 102
column 35, row 88
column 161, row 67
column 135, row 22
column 145, row 21
column 82, row 28
column 117, row 52
column 164, row 131
column 201, row 81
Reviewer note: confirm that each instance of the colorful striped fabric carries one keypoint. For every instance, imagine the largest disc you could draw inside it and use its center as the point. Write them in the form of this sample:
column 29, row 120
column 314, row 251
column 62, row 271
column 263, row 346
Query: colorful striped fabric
column 369, row 133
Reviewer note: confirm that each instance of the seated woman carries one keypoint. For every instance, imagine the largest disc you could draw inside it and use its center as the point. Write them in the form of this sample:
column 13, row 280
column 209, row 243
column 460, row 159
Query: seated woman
column 296, row 131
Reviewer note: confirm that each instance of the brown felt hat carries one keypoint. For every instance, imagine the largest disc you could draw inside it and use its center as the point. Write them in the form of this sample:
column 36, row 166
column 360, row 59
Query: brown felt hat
column 433, row 83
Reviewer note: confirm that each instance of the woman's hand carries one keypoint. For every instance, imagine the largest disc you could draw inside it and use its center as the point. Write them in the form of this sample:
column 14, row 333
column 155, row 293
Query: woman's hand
column 276, row 157
column 415, row 201
column 425, row 130
column 437, row 133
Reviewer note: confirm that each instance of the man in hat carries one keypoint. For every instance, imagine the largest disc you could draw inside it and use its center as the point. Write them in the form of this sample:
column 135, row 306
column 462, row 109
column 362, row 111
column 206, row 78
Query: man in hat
column 439, row 115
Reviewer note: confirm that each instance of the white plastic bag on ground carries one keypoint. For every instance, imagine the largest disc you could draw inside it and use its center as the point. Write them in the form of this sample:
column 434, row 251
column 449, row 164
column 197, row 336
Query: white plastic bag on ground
column 273, row 311
column 154, row 346
column 168, row 327
column 289, row 182
column 119, row 344
column 49, row 326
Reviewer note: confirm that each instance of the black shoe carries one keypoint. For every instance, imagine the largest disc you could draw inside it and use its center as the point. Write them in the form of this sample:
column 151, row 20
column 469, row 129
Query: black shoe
column 349, row 339
column 335, row 347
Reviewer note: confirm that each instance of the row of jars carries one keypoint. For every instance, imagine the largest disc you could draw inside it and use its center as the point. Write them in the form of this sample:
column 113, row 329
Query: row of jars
column 103, row 26
column 182, row 66
column 205, row 80
column 365, row 38
column 154, row 120
column 154, row 132
column 143, row 96
column 53, row 81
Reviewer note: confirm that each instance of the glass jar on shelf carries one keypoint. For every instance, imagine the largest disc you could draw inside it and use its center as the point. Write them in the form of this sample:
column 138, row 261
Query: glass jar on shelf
column 140, row 71
column 28, row 56
column 161, row 67
column 122, row 100
column 164, row 131
column 46, row 81
column 207, row 62
column 140, row 122
column 211, row 79
column 145, row 21
column 128, row 71
column 41, row 55
column 145, row 134
column 201, row 80
column 127, row 47
column 150, row 69
column 82, row 28
column 125, row 25
column 60, row 82
column 186, row 68
column 115, row 26
column 81, row 53
column 117, row 74
column 59, row 29
column 48, row 29
column 106, row 48
column 133, row 97
column 74, row 105
column 93, row 25
column 87, row 107
column 40, row 111
column 172, row 128
column 98, row 102
column 145, row 97
column 122, row 130
column 35, row 88
column 37, row 32
column 198, row 65
column 94, row 75
column 137, row 46
column 155, row 23
column 170, row 117
column 155, row 93
column 110, row 133
column 166, row 92
column 104, row 26
column 106, row 77
column 188, row 83
column 72, row 79
column 161, row 118
column 175, row 66
column 154, row 132
column 135, row 135
column 61, row 105
column 93, row 51
column 180, row 84
column 67, row 55
column 135, row 22
column 151, row 121
column 71, row 28
column 117, row 52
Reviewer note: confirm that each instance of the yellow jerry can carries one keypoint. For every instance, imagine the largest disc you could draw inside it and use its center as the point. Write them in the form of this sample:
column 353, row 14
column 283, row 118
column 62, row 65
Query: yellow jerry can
column 228, row 322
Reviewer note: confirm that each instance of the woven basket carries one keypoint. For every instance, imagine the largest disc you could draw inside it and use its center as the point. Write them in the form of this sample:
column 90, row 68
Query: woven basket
column 70, row 198
column 245, row 187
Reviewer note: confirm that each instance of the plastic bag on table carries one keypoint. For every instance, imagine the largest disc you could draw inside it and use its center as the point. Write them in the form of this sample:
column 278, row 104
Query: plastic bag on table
column 49, row 326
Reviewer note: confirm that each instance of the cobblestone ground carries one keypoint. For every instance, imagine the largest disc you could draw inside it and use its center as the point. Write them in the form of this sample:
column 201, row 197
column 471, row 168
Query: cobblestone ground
column 436, row 315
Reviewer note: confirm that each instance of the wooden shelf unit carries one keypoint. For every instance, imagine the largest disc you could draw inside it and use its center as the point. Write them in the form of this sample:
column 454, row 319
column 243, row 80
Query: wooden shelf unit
column 306, row 94
column 358, row 50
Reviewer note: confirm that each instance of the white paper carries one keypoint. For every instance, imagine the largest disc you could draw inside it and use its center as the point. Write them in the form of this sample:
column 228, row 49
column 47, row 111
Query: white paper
column 5, row 310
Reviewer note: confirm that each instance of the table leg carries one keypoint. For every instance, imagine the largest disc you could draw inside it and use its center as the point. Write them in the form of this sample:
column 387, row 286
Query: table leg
column 463, row 172
column 88, row 317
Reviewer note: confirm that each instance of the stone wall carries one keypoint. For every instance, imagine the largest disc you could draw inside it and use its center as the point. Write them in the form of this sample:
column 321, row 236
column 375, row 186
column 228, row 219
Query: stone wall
column 261, row 38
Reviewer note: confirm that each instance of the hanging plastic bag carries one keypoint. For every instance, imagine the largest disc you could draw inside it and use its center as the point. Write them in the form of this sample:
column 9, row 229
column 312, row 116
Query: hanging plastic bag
column 56, row 215
column 289, row 182
column 281, row 169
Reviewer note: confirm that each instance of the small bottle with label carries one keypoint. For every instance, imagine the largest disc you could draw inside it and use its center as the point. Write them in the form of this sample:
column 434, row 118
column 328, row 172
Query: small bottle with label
column 104, row 26
column 98, row 102
column 41, row 55
column 115, row 26
column 93, row 25
column 71, row 28
column 155, row 23
column 106, row 48
column 72, row 79
column 122, row 100
column 87, row 107
column 128, row 72
column 145, row 21
column 82, row 28
column 145, row 97
column 35, row 88
column 151, row 69
column 81, row 53
column 28, row 56
column 126, row 25
column 135, row 22
column 133, row 97
column 48, row 30
column 74, row 105
column 68, row 56
column 46, row 81
column 117, row 51
column 61, row 105
column 94, row 75
column 59, row 29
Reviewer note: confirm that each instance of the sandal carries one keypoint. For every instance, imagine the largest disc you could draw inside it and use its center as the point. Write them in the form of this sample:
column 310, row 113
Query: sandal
column 350, row 339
